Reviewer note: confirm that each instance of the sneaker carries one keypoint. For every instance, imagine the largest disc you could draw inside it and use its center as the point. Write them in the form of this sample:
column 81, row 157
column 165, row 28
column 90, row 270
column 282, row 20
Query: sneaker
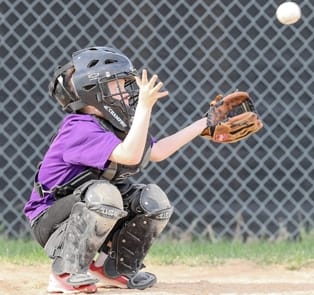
column 58, row 284
column 141, row 280
column 105, row 281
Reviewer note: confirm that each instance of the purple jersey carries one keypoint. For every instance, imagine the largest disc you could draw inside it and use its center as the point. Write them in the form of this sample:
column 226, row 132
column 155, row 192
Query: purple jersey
column 80, row 143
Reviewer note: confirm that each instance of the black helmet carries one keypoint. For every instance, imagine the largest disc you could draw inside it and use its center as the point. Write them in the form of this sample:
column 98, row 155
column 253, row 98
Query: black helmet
column 93, row 68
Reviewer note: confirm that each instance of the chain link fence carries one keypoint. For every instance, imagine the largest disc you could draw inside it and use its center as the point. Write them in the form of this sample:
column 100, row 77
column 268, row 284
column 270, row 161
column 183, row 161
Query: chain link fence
column 261, row 187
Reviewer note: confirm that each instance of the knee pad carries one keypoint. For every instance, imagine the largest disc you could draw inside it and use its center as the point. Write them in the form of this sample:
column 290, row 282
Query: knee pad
column 153, row 202
column 86, row 229
column 105, row 199
column 131, row 244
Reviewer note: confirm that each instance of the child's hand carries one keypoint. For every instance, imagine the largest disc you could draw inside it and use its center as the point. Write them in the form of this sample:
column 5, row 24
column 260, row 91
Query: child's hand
column 149, row 92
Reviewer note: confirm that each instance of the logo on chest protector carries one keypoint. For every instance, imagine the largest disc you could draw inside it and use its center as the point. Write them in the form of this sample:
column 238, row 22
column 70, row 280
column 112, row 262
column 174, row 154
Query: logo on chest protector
column 115, row 115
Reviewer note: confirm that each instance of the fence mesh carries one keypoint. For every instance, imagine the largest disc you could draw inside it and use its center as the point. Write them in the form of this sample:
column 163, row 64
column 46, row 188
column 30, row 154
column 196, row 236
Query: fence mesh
column 261, row 187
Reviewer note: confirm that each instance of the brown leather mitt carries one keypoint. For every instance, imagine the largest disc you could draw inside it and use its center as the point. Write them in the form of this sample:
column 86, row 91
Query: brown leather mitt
column 231, row 118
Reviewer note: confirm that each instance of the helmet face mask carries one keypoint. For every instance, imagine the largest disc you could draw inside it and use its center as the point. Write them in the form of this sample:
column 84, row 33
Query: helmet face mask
column 114, row 102
column 125, row 88
column 94, row 68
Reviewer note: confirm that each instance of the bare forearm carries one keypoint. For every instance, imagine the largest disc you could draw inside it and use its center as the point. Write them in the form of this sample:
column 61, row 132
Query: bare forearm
column 130, row 151
column 165, row 147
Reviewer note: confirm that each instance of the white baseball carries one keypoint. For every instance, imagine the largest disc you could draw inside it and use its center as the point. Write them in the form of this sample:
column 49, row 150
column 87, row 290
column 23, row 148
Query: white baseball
column 288, row 13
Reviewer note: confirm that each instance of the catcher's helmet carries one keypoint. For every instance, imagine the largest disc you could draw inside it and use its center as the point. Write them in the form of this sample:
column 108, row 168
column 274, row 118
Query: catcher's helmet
column 92, row 69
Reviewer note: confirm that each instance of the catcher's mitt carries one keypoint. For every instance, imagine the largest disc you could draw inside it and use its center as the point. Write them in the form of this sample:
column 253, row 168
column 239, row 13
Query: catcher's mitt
column 231, row 118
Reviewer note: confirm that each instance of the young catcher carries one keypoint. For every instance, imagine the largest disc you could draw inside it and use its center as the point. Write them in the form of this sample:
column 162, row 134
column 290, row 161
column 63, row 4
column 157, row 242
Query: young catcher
column 94, row 223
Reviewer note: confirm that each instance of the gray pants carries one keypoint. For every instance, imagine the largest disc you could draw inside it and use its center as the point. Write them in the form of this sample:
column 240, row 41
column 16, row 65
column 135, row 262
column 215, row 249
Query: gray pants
column 49, row 221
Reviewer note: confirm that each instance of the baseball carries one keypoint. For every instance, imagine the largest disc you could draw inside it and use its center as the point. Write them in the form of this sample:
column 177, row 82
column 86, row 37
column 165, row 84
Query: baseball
column 288, row 13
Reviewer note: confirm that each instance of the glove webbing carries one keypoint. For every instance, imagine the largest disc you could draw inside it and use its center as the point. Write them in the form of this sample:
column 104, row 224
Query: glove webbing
column 246, row 106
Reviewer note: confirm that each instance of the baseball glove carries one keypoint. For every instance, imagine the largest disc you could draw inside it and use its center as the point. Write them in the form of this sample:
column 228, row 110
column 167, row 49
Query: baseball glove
column 231, row 118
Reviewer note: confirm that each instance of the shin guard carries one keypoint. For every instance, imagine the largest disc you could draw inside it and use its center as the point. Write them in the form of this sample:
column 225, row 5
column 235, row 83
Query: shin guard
column 86, row 229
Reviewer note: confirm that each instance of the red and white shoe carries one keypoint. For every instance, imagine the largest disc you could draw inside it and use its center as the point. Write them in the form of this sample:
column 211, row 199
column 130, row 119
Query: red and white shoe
column 105, row 281
column 58, row 284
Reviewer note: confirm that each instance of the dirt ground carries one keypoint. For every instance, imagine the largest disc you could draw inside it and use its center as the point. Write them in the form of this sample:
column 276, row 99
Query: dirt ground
column 232, row 278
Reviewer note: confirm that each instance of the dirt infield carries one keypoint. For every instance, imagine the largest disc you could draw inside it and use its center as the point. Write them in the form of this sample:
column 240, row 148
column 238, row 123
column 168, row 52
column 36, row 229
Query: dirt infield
column 232, row 278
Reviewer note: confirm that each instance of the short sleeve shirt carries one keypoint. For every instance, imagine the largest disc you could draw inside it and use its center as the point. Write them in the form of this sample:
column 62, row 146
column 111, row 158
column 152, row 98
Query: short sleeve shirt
column 80, row 143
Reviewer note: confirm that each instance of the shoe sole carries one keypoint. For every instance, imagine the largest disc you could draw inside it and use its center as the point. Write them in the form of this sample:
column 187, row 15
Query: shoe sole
column 81, row 289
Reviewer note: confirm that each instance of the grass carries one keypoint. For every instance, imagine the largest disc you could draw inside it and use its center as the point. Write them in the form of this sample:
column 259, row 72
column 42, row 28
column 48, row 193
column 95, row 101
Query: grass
column 21, row 251
column 293, row 255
